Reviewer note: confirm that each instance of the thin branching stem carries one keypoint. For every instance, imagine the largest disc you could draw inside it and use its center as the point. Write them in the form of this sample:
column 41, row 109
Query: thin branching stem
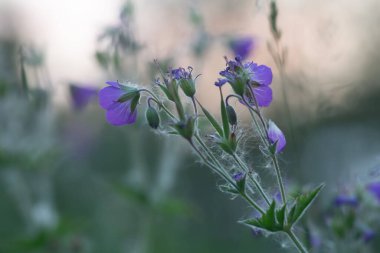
column 296, row 241
column 228, row 179
column 256, row 183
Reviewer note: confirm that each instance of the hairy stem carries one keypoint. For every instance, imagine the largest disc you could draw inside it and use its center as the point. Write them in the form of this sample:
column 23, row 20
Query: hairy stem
column 297, row 243
column 228, row 179
column 257, row 184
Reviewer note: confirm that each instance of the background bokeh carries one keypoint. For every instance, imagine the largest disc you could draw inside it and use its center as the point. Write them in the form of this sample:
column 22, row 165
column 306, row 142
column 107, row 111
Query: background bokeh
column 69, row 182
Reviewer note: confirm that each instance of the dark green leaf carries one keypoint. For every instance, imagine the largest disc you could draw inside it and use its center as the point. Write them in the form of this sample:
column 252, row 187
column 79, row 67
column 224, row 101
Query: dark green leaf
column 212, row 120
column 302, row 203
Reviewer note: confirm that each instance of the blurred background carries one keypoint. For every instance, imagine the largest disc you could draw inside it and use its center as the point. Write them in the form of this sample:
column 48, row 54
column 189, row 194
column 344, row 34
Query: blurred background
column 69, row 182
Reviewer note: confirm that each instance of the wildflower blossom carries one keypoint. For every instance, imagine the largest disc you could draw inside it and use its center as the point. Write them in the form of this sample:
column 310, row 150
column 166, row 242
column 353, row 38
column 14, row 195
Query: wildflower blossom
column 374, row 188
column 185, row 80
column 345, row 200
column 275, row 135
column 368, row 235
column 120, row 102
column 246, row 78
column 242, row 47
column 82, row 95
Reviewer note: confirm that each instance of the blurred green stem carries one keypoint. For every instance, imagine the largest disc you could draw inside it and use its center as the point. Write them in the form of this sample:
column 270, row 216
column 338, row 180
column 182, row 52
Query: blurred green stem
column 296, row 241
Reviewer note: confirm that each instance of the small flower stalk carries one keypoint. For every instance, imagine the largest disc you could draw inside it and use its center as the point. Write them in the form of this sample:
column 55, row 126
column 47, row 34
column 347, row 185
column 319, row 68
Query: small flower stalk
column 167, row 110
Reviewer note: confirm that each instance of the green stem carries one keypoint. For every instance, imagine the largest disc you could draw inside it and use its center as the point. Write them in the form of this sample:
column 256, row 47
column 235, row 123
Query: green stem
column 228, row 179
column 296, row 241
column 257, row 184
column 279, row 178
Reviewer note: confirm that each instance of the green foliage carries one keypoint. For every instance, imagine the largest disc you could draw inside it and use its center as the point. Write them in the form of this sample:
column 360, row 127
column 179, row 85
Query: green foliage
column 212, row 120
column 273, row 220
column 302, row 203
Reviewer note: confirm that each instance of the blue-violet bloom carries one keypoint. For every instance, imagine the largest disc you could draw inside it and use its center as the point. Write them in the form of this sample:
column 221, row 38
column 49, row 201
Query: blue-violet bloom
column 82, row 95
column 118, row 100
column 345, row 200
column 374, row 188
column 242, row 47
column 276, row 135
column 246, row 78
column 368, row 235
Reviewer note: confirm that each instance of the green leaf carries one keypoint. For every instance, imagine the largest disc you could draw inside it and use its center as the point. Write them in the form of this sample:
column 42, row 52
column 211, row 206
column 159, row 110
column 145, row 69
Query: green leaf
column 212, row 120
column 272, row 220
column 226, row 125
column 132, row 193
column 281, row 216
column 302, row 203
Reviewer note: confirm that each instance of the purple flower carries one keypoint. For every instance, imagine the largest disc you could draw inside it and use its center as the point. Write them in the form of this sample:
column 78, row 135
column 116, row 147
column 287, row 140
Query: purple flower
column 374, row 188
column 242, row 47
column 275, row 135
column 368, row 235
column 82, row 95
column 181, row 73
column 238, row 176
column 315, row 240
column 120, row 102
column 220, row 82
column 248, row 78
column 345, row 200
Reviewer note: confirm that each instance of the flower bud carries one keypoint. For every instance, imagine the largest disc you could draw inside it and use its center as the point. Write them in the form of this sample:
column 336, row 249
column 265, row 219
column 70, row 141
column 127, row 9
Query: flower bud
column 152, row 117
column 232, row 118
column 188, row 87
column 240, row 181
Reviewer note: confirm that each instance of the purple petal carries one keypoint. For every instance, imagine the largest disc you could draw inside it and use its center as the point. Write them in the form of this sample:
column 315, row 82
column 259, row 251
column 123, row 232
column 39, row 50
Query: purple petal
column 345, row 200
column 82, row 95
column 242, row 47
column 374, row 188
column 108, row 96
column 368, row 235
column 263, row 95
column 220, row 82
column 276, row 135
column 113, row 84
column 261, row 74
column 120, row 114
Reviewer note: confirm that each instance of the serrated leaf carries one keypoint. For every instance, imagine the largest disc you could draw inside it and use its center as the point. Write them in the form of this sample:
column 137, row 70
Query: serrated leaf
column 302, row 203
column 281, row 216
column 269, row 220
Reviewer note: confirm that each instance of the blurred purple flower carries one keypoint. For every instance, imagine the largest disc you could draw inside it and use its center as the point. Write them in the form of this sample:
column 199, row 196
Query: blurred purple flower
column 117, row 100
column 368, row 235
column 82, row 95
column 276, row 135
column 374, row 188
column 181, row 73
column 242, row 47
column 249, row 75
column 315, row 240
column 345, row 200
